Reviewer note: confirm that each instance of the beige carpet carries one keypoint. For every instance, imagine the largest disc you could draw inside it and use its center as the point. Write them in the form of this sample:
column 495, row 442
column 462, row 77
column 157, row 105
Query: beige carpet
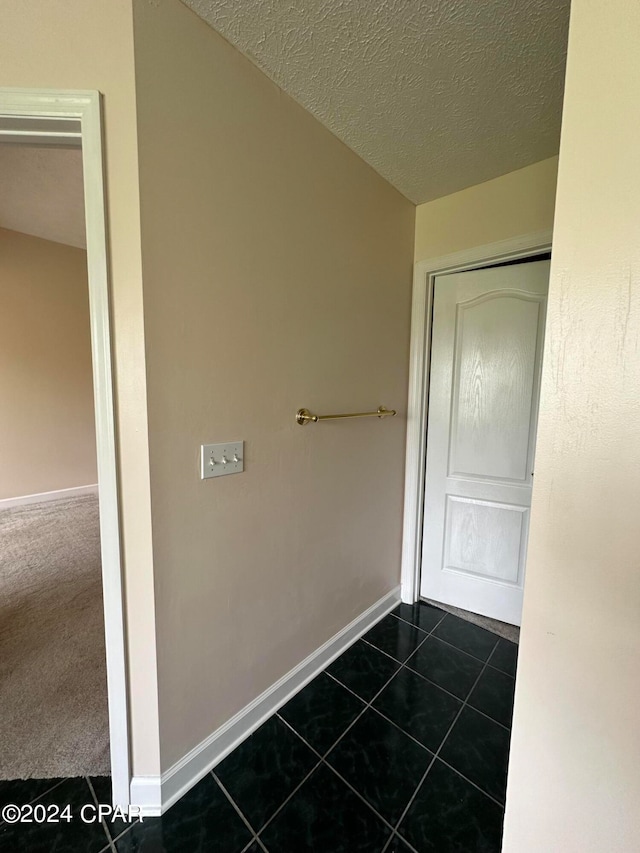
column 53, row 695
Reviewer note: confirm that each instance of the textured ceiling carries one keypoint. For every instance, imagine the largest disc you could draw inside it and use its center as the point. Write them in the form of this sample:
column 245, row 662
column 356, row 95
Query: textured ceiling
column 41, row 192
column 436, row 95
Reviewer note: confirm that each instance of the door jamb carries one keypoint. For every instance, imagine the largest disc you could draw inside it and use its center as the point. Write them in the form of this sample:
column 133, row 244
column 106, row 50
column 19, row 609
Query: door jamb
column 63, row 117
column 425, row 273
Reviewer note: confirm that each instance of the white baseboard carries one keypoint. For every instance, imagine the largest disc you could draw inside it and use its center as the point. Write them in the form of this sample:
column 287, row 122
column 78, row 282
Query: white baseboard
column 157, row 794
column 43, row 497
column 145, row 793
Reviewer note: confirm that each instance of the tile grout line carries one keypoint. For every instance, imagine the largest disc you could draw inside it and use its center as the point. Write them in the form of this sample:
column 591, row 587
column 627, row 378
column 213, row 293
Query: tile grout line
column 323, row 762
column 437, row 752
column 455, row 616
column 440, row 640
column 399, row 727
column 387, row 822
column 444, row 740
column 419, row 743
column 254, row 835
column 420, row 644
column 406, row 665
column 451, row 645
column 413, row 625
column 295, row 790
column 462, row 651
column 470, row 781
column 111, row 845
column 131, row 826
column 393, row 835
column 453, row 695
column 256, row 841
column 320, row 756
column 369, row 705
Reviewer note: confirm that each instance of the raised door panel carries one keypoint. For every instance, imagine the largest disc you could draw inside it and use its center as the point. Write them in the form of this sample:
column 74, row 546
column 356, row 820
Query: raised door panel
column 495, row 348
column 485, row 539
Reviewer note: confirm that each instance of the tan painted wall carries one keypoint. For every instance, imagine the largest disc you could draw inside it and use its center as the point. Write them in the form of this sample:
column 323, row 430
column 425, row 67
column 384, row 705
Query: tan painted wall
column 72, row 44
column 277, row 271
column 519, row 203
column 47, row 429
column 574, row 782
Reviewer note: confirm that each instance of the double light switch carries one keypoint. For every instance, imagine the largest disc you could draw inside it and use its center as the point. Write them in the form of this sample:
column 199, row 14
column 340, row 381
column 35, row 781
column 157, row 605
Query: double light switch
column 216, row 460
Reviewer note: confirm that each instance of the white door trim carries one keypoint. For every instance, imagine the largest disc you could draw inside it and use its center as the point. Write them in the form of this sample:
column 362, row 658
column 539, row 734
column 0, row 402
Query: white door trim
column 74, row 117
column 425, row 273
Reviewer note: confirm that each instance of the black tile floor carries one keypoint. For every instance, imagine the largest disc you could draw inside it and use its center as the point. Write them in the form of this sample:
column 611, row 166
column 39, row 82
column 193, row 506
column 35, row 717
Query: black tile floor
column 401, row 745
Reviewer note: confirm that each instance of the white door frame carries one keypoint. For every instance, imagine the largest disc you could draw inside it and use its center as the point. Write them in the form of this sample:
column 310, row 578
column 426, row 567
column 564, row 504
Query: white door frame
column 72, row 117
column 425, row 273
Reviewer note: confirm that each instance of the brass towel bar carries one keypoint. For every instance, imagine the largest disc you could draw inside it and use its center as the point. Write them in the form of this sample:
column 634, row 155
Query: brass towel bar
column 304, row 416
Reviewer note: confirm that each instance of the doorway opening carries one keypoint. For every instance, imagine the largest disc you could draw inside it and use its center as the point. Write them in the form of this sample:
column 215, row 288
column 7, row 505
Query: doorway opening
column 62, row 557
column 476, row 352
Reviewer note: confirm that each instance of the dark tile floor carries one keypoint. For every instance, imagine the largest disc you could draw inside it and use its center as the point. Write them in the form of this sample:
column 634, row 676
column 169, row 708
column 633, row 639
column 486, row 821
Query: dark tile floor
column 400, row 746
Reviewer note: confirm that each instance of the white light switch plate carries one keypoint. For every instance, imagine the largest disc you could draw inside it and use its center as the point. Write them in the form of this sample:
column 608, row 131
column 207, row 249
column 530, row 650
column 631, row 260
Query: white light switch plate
column 213, row 456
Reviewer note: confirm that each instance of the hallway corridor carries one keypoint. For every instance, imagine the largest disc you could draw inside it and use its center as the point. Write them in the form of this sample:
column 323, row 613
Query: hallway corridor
column 401, row 745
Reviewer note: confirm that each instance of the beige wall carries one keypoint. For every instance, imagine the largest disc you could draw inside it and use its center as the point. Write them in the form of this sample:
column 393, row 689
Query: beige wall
column 277, row 270
column 47, row 429
column 72, row 44
column 574, row 782
column 519, row 203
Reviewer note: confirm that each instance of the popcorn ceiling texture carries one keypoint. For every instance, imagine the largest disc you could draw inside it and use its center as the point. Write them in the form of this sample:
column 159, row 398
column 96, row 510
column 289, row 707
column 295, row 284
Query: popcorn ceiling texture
column 436, row 95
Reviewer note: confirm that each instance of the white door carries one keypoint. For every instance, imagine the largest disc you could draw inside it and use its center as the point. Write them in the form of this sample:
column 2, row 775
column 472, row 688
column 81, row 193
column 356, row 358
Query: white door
column 486, row 355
